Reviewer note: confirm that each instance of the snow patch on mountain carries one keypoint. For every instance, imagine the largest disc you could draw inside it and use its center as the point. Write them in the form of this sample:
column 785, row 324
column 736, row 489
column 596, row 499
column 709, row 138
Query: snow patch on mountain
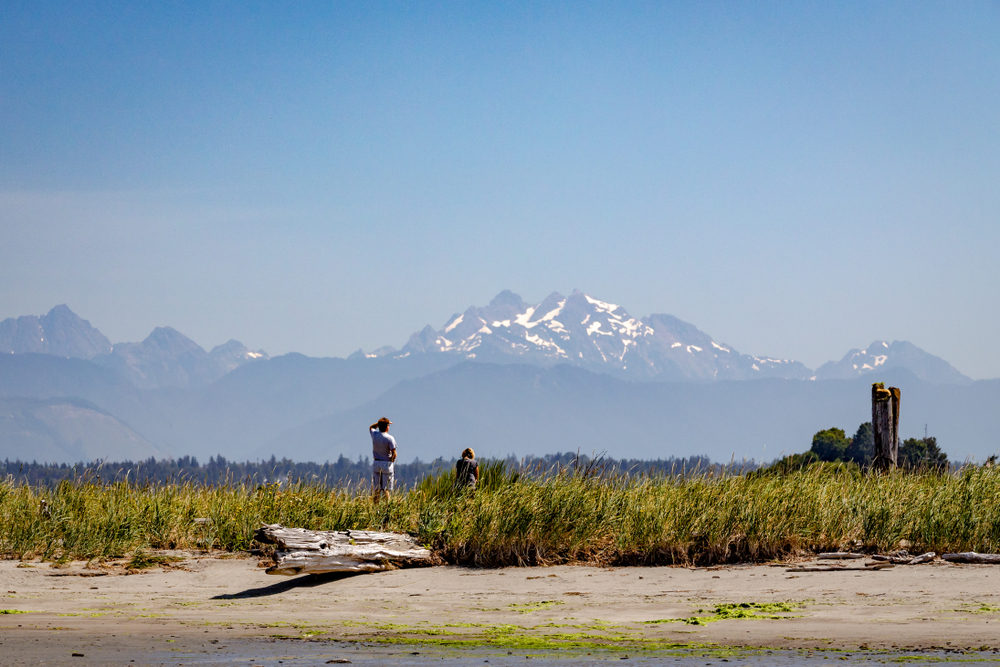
column 593, row 334
column 883, row 355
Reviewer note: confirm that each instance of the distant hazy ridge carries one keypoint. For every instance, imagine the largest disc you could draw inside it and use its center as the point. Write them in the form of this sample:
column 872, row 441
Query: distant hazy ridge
column 568, row 373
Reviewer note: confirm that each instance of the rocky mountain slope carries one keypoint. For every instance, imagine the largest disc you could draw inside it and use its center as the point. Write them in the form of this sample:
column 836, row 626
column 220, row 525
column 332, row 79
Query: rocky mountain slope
column 583, row 331
column 168, row 358
column 899, row 354
column 60, row 332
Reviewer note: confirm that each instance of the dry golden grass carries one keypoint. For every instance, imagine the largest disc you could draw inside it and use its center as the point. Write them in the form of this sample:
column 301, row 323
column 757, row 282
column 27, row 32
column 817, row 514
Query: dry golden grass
column 523, row 519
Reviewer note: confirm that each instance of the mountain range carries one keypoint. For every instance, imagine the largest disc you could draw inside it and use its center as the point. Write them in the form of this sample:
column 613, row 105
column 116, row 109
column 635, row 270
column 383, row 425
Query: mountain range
column 599, row 336
column 166, row 358
column 510, row 371
column 61, row 332
column 898, row 354
column 582, row 331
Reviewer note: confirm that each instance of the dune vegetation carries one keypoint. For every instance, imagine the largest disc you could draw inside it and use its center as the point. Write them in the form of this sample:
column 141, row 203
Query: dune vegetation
column 517, row 517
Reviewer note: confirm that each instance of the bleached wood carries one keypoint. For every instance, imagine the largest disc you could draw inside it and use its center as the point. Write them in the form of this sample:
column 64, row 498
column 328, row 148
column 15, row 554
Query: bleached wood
column 898, row 560
column 973, row 557
column 906, row 560
column 923, row 558
column 839, row 555
column 302, row 551
column 834, row 568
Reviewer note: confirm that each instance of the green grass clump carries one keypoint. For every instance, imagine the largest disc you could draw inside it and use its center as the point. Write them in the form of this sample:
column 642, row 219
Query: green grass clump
column 519, row 518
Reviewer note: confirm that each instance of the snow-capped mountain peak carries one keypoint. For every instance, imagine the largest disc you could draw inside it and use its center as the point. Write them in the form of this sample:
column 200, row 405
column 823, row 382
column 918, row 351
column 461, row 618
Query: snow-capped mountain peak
column 585, row 331
column 881, row 354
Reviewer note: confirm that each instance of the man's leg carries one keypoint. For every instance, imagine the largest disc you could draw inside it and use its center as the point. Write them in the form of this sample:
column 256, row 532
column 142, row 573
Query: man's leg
column 390, row 481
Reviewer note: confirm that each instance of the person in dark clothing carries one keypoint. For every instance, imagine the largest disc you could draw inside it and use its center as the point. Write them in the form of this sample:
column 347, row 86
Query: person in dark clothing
column 467, row 470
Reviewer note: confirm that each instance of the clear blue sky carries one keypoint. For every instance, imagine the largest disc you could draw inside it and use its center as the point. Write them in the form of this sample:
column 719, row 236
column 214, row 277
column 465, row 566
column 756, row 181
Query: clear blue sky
column 796, row 179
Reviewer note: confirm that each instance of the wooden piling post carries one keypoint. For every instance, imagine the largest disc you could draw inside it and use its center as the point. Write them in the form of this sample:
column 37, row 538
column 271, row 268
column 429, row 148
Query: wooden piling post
column 885, row 426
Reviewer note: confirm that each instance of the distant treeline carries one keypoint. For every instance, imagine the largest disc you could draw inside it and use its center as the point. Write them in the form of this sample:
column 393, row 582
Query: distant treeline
column 343, row 472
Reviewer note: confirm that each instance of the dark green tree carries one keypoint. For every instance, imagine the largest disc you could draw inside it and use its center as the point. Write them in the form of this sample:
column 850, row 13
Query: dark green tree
column 830, row 445
column 791, row 463
column 917, row 453
column 862, row 447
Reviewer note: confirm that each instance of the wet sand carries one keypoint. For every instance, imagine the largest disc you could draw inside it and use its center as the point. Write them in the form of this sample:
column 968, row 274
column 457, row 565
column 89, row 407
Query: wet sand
column 212, row 604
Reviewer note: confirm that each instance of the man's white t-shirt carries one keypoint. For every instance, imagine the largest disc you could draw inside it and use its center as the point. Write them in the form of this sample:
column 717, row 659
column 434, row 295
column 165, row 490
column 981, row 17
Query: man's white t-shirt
column 382, row 444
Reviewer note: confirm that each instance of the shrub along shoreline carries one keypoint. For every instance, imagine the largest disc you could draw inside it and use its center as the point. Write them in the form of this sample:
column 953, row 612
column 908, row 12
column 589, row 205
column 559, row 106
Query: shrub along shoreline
column 518, row 517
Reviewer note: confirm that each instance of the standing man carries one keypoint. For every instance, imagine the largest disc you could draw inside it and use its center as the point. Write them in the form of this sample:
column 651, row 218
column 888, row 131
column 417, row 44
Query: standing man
column 384, row 458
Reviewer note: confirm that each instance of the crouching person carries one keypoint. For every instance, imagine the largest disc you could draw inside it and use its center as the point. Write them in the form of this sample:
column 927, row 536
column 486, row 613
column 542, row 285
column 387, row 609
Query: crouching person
column 467, row 470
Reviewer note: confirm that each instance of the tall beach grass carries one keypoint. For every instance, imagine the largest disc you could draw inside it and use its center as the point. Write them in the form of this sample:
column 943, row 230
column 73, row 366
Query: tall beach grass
column 519, row 517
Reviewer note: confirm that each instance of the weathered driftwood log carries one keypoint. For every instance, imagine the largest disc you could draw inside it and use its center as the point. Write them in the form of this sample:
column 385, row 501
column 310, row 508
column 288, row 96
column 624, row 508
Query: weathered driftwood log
column 923, row 558
column 839, row 555
column 898, row 560
column 881, row 565
column 837, row 568
column 302, row 551
column 885, row 426
column 906, row 560
column 973, row 557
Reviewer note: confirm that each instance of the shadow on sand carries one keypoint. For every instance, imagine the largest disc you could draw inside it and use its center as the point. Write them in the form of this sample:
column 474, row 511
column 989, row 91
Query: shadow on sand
column 307, row 581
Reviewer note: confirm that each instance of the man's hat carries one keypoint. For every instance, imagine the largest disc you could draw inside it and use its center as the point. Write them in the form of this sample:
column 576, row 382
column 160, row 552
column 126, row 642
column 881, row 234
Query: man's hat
column 384, row 420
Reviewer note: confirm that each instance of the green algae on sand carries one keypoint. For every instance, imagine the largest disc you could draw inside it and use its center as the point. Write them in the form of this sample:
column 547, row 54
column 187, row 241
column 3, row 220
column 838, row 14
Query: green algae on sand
column 737, row 610
column 586, row 637
column 529, row 607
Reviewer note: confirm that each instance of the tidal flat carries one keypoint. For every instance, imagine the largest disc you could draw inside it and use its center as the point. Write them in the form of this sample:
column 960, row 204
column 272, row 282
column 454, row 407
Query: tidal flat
column 199, row 609
column 299, row 653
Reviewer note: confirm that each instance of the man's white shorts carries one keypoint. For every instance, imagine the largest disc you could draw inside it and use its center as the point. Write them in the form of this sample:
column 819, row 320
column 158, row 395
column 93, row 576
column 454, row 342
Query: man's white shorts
column 383, row 475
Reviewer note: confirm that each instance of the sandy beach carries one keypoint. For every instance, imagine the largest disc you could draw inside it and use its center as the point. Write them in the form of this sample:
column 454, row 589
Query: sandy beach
column 205, row 602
